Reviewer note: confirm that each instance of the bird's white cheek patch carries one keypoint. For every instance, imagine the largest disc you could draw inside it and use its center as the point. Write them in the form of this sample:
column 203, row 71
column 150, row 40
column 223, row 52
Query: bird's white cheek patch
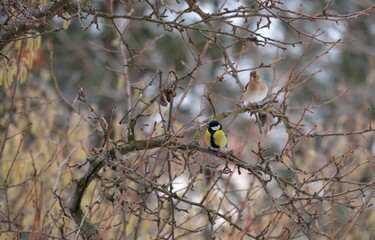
column 215, row 128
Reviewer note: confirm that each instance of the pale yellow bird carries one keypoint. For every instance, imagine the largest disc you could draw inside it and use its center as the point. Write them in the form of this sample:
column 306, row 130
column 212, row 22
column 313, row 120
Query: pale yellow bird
column 255, row 91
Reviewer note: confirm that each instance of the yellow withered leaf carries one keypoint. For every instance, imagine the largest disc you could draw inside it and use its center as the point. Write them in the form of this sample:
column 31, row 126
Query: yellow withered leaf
column 2, row 76
column 18, row 44
column 66, row 24
column 23, row 74
column 37, row 42
column 9, row 77
column 67, row 20
column 30, row 60
column 30, row 44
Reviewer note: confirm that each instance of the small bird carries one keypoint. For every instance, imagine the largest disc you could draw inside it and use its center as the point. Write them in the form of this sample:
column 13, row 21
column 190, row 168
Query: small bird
column 255, row 91
column 215, row 136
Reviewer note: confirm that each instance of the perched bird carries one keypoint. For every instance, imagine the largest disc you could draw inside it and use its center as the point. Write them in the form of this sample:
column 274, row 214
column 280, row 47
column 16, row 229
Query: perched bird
column 255, row 91
column 215, row 136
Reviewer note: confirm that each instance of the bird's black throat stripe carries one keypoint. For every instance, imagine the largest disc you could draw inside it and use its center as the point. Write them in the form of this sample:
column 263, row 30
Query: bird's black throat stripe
column 212, row 141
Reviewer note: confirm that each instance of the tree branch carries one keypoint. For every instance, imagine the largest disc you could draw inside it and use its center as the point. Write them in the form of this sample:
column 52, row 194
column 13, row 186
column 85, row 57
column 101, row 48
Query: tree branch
column 22, row 27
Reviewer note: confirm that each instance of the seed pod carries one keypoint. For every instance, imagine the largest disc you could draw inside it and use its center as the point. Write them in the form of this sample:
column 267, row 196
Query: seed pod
column 170, row 94
column 163, row 99
column 166, row 96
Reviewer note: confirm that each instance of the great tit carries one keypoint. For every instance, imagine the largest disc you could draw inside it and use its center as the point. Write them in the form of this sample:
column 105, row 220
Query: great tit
column 256, row 90
column 215, row 136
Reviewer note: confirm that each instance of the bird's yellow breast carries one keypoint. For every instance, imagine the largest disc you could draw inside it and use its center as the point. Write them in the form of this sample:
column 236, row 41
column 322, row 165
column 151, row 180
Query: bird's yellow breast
column 219, row 138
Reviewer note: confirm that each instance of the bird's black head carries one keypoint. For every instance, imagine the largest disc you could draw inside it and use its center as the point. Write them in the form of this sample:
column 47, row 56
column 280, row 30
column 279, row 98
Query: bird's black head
column 214, row 126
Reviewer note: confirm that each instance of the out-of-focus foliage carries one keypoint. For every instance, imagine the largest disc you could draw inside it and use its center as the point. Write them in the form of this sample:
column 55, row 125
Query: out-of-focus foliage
column 70, row 71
